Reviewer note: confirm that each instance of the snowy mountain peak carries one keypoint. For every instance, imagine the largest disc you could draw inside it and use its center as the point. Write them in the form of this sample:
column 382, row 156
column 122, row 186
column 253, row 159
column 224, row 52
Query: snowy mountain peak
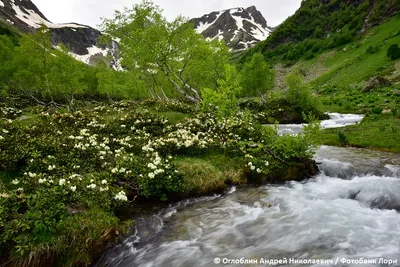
column 26, row 16
column 241, row 28
column 82, row 41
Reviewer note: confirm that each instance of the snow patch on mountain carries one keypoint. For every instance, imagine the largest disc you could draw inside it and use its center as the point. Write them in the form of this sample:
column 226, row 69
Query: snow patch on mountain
column 92, row 51
column 240, row 28
column 34, row 20
column 82, row 41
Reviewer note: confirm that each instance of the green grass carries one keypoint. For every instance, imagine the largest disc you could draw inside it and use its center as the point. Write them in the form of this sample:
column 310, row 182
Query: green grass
column 353, row 100
column 380, row 132
column 173, row 116
column 355, row 65
column 209, row 173
column 27, row 119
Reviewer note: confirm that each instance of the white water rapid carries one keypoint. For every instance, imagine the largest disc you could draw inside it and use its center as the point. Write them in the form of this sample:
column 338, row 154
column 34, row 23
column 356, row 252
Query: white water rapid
column 349, row 212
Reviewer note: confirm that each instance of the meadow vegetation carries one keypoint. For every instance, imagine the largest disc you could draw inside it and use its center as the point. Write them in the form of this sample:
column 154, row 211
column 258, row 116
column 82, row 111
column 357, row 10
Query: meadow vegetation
column 319, row 26
column 80, row 145
column 68, row 177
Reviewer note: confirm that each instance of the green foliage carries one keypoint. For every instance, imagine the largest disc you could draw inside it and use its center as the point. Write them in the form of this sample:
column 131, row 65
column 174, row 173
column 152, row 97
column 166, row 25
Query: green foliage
column 393, row 52
column 309, row 55
column 256, row 77
column 45, row 73
column 10, row 33
column 6, row 57
column 35, row 69
column 379, row 132
column 342, row 138
column 302, row 146
column 168, row 54
column 120, row 84
column 86, row 235
column 372, row 49
column 224, row 99
column 300, row 96
column 318, row 25
column 376, row 110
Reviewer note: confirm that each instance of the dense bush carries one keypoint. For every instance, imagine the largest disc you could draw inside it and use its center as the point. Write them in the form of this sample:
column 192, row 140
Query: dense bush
column 301, row 97
column 256, row 77
column 65, row 176
column 372, row 49
column 66, row 164
column 223, row 101
column 393, row 52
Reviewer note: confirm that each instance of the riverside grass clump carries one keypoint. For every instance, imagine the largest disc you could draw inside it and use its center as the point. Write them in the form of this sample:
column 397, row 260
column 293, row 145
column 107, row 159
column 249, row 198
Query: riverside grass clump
column 68, row 179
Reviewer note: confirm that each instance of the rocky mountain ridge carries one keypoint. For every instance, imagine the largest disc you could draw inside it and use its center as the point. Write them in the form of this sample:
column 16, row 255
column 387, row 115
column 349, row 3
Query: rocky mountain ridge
column 241, row 28
column 82, row 40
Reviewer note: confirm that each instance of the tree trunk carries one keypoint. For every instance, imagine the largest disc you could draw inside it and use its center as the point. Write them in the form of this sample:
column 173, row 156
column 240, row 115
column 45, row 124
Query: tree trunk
column 183, row 93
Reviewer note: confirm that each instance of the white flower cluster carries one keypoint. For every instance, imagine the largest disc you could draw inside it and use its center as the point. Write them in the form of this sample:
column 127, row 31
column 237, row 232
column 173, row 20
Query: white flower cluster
column 95, row 124
column 91, row 186
column 10, row 112
column 121, row 196
column 157, row 165
column 120, row 170
column 253, row 167
column 115, row 147
column 51, row 167
column 91, row 140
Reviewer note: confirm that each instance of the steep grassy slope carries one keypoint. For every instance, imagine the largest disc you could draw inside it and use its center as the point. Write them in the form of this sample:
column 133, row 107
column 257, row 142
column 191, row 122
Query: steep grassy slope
column 350, row 66
column 319, row 25
column 339, row 76
column 354, row 64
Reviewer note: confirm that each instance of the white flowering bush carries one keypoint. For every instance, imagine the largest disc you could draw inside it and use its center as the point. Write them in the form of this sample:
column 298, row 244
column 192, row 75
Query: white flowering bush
column 72, row 163
column 173, row 105
column 9, row 112
column 65, row 168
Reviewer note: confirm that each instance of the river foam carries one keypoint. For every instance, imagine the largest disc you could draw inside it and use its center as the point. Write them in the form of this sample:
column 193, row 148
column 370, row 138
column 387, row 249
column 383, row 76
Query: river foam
column 349, row 211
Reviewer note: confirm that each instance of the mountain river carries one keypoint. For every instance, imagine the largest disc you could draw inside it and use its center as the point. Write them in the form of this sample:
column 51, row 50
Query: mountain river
column 348, row 215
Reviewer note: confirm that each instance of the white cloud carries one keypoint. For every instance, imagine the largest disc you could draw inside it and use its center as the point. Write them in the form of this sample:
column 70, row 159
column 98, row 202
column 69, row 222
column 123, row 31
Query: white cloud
column 89, row 11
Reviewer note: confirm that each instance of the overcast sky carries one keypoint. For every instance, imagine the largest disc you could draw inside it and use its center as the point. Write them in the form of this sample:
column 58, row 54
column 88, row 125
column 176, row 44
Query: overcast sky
column 89, row 12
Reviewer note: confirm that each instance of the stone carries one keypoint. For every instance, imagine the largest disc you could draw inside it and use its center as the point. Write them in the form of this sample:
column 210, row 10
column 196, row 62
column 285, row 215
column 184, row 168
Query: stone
column 376, row 82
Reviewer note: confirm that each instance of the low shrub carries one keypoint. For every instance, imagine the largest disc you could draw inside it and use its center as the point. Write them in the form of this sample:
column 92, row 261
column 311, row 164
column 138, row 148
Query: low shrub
column 66, row 175
column 393, row 52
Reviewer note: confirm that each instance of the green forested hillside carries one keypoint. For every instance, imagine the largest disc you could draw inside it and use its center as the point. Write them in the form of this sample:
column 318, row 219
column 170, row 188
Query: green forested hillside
column 348, row 68
column 323, row 24
column 347, row 53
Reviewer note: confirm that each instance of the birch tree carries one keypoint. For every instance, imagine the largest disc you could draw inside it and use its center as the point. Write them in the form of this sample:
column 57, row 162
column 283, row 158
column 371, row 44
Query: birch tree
column 152, row 44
